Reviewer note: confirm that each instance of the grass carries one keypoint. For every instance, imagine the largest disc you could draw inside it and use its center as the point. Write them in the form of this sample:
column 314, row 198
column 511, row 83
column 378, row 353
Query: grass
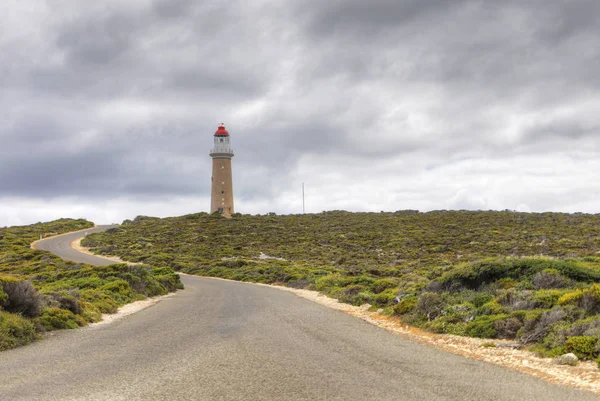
column 40, row 292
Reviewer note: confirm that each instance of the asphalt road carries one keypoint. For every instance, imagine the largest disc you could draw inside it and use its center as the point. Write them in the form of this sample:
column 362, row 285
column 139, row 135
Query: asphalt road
column 61, row 246
column 220, row 340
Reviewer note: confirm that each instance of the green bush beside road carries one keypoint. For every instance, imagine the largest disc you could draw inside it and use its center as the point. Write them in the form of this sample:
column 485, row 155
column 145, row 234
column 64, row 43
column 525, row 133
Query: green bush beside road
column 41, row 292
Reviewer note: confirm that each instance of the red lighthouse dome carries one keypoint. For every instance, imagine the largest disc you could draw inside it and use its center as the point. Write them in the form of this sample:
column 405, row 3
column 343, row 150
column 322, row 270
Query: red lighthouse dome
column 221, row 131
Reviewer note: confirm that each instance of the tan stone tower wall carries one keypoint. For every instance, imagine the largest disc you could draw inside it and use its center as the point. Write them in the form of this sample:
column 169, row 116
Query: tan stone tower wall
column 222, row 187
column 221, row 196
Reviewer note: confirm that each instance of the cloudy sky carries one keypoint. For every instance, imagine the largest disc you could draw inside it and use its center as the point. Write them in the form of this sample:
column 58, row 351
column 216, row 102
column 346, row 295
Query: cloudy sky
column 108, row 108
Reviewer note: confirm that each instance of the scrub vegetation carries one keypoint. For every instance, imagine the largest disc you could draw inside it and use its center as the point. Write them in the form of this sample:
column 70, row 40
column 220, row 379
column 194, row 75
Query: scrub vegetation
column 41, row 292
column 532, row 278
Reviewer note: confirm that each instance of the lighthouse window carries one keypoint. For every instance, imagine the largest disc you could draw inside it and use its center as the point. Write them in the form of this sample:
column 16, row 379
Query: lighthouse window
column 221, row 140
column 222, row 192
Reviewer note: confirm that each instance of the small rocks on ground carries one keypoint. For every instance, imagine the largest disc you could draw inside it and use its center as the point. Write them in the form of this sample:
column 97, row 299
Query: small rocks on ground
column 567, row 359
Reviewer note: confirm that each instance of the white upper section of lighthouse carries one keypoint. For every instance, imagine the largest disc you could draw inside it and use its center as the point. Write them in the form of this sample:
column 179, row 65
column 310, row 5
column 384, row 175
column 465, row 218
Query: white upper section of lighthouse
column 222, row 146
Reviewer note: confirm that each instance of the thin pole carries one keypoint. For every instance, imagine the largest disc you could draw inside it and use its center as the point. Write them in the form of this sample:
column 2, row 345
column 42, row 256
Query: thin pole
column 302, row 198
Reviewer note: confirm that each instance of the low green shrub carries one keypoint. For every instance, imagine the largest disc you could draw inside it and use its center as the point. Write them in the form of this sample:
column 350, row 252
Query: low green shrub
column 15, row 331
column 3, row 296
column 591, row 299
column 550, row 279
column 329, row 281
column 507, row 328
column 481, row 298
column 119, row 290
column 381, row 285
column 170, row 281
column 57, row 319
column 506, row 282
column 571, row 298
column 585, row 347
column 546, row 299
column 588, row 299
column 464, row 312
column 385, row 297
column 558, row 351
column 491, row 308
column 544, row 352
column 430, row 304
column 446, row 325
column 298, row 283
column 355, row 294
column 65, row 300
column 475, row 275
column 484, row 326
column 90, row 312
column 100, row 300
column 406, row 305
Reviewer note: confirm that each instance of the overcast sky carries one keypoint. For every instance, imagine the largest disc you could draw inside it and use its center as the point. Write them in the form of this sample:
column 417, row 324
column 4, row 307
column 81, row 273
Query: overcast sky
column 108, row 108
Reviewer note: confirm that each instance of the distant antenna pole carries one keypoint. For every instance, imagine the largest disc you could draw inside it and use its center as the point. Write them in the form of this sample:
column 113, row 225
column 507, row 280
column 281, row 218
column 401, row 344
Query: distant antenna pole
column 303, row 198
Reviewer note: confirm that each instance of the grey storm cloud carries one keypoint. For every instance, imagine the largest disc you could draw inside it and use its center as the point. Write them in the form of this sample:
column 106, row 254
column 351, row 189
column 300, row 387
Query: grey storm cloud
column 119, row 100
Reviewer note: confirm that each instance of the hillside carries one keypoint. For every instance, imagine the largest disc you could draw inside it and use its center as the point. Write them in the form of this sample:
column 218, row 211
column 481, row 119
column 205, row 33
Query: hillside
column 40, row 292
column 530, row 277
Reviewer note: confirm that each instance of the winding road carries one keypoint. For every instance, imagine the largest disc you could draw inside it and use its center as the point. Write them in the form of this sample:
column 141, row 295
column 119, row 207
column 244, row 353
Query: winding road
column 222, row 340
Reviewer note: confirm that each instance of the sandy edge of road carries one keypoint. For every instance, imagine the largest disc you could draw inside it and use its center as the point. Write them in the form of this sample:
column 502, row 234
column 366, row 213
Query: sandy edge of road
column 585, row 375
column 130, row 309
column 76, row 244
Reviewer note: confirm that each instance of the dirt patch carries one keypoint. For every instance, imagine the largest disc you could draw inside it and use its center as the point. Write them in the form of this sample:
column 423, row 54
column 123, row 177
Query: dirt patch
column 262, row 256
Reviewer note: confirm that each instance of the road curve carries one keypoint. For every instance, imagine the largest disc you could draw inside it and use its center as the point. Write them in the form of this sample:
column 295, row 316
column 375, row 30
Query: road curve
column 222, row 340
column 61, row 246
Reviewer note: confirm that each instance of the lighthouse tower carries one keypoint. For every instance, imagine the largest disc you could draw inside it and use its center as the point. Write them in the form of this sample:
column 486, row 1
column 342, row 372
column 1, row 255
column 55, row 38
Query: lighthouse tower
column 222, row 186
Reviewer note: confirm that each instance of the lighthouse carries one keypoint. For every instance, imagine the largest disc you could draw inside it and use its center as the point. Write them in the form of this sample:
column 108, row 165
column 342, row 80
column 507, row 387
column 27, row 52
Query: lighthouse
column 222, row 184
